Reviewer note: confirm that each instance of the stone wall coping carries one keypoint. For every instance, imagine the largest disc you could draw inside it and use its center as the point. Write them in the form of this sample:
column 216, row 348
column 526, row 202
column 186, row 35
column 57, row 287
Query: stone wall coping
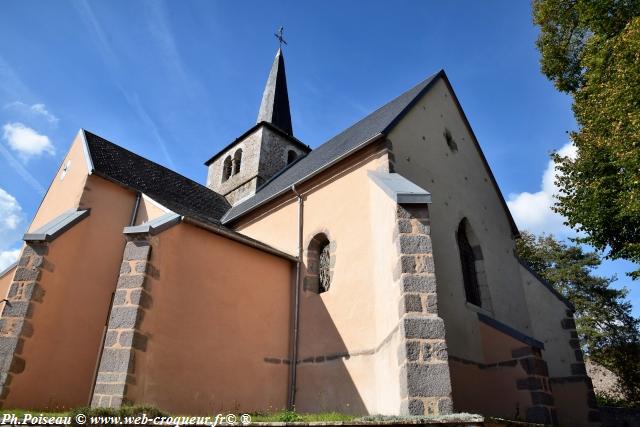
column 57, row 226
column 399, row 188
column 156, row 225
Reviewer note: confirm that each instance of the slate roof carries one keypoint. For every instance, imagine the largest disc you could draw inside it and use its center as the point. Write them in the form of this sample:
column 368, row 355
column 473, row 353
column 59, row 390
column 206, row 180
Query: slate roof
column 274, row 107
column 169, row 188
column 379, row 122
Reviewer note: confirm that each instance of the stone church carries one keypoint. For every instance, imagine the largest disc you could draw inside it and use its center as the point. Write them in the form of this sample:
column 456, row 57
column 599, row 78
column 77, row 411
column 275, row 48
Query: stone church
column 374, row 274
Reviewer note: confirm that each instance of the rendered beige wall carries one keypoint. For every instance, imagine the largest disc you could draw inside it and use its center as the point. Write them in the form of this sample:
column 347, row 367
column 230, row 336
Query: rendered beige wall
column 547, row 311
column 5, row 282
column 79, row 275
column 360, row 308
column 218, row 308
column 148, row 210
column 491, row 392
column 460, row 187
column 65, row 190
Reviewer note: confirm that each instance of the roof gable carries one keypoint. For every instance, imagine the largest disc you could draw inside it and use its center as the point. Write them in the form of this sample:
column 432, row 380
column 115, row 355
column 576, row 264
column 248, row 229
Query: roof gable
column 355, row 137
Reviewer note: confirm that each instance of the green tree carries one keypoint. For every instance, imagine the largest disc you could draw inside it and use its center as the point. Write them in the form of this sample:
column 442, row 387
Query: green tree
column 610, row 335
column 591, row 50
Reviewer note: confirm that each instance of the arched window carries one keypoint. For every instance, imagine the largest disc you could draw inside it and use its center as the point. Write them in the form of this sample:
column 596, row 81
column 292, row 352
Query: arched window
column 291, row 156
column 320, row 261
column 226, row 169
column 468, row 263
column 237, row 161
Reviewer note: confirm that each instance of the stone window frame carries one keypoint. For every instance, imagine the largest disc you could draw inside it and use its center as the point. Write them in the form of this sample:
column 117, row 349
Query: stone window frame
column 226, row 168
column 477, row 282
column 237, row 161
column 320, row 243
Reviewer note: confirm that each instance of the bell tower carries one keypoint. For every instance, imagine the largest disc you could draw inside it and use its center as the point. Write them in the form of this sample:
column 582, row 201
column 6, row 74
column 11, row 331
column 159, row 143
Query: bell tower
column 240, row 169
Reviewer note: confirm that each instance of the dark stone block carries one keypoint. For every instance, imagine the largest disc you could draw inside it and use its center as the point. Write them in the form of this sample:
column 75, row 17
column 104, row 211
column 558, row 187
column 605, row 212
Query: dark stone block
column 529, row 383
column 538, row 415
column 445, row 406
column 412, row 302
column 137, row 250
column 428, row 380
column 424, row 327
column 135, row 281
column 24, row 274
column 110, row 389
column 125, row 268
column 541, row 398
column 521, row 352
column 439, row 350
column 110, row 338
column 578, row 369
column 415, row 244
column 119, row 297
column 16, row 309
column 432, row 303
column 408, row 263
column 141, row 267
column 579, row 356
column 534, row 366
column 404, row 225
column 8, row 345
column 416, row 407
column 419, row 283
column 412, row 350
column 123, row 317
column 116, row 360
column 426, row 351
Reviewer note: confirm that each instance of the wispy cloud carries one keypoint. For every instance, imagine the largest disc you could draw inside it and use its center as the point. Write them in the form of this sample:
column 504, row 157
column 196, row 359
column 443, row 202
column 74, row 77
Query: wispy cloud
column 11, row 219
column 113, row 64
column 532, row 211
column 35, row 109
column 26, row 142
column 21, row 170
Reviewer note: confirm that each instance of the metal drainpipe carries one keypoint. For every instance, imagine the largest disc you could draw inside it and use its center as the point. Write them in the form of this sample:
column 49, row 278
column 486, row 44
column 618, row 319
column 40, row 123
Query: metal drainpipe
column 296, row 308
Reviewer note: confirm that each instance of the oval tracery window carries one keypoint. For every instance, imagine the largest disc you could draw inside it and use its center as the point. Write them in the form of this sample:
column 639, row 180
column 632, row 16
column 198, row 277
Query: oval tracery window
column 324, row 268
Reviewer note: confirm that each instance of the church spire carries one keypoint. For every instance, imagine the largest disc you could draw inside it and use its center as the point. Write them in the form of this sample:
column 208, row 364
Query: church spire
column 275, row 99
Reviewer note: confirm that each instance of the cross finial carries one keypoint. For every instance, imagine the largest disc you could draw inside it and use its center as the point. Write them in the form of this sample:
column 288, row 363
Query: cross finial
column 280, row 37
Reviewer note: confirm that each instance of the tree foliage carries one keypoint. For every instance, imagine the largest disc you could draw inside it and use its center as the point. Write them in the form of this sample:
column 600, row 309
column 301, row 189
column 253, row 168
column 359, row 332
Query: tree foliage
column 591, row 49
column 609, row 333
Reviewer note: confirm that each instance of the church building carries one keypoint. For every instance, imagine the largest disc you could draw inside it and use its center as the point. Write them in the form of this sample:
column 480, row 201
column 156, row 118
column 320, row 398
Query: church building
column 374, row 274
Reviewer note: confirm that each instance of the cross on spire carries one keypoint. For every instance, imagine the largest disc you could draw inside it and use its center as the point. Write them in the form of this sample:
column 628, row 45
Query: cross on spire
column 280, row 36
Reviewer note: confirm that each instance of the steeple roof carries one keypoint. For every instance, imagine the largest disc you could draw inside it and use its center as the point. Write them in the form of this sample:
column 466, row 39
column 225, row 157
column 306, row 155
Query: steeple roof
column 274, row 108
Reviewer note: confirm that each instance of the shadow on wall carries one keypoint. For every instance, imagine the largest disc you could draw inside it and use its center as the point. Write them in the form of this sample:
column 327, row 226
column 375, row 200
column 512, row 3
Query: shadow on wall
column 324, row 383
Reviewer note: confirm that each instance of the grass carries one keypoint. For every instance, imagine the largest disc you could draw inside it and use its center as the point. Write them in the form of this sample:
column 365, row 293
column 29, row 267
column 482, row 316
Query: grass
column 292, row 416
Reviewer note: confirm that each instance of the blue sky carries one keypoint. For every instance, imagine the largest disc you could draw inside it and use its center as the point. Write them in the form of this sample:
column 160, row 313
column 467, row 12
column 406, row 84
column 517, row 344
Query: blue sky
column 177, row 81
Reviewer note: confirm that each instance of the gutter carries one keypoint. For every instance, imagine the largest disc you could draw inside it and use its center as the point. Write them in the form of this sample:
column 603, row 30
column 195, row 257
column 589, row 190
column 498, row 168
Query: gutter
column 238, row 237
column 293, row 360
